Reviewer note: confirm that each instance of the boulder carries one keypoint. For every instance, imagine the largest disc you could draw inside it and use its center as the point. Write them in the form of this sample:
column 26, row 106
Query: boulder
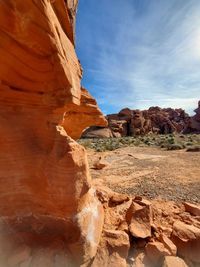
column 140, row 260
column 118, row 127
column 192, row 208
column 156, row 251
column 187, row 240
column 113, row 249
column 171, row 261
column 168, row 244
column 139, row 220
column 97, row 132
column 100, row 164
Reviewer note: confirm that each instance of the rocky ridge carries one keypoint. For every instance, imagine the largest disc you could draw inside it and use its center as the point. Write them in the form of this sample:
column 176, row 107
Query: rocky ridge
column 140, row 122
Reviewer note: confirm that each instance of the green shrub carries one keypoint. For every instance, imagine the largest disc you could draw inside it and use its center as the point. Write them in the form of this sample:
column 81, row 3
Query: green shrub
column 189, row 144
column 174, row 147
column 169, row 142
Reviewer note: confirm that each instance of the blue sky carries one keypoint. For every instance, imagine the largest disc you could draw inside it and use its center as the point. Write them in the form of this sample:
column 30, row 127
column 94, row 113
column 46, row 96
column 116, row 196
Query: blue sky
column 140, row 53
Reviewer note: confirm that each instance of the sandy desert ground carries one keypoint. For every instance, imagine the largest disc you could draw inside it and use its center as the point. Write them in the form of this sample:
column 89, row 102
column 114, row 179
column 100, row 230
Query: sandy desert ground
column 150, row 172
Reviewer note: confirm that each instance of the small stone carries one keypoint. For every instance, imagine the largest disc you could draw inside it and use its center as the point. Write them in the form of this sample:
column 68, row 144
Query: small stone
column 119, row 198
column 192, row 208
column 141, row 201
column 139, row 219
column 100, row 164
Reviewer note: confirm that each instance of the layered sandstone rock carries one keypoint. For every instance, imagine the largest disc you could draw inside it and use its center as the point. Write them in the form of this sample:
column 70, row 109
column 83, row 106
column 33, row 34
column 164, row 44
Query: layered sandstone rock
column 78, row 117
column 45, row 183
column 50, row 214
column 135, row 122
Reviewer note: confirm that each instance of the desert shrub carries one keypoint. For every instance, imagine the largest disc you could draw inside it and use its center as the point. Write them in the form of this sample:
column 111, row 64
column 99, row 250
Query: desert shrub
column 171, row 140
column 188, row 143
column 137, row 142
column 146, row 141
column 174, row 147
column 87, row 143
column 99, row 149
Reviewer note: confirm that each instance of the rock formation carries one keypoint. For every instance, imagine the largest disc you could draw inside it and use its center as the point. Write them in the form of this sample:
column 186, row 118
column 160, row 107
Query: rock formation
column 51, row 215
column 78, row 117
column 45, row 183
column 138, row 232
column 135, row 122
column 193, row 125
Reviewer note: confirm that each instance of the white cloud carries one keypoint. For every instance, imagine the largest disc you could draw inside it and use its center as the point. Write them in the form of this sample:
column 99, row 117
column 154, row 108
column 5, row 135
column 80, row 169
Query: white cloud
column 144, row 53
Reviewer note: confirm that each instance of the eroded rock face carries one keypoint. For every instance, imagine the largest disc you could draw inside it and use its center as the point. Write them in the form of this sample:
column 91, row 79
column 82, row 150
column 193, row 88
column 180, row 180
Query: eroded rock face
column 193, row 125
column 78, row 117
column 45, row 183
column 155, row 119
column 50, row 215
column 138, row 122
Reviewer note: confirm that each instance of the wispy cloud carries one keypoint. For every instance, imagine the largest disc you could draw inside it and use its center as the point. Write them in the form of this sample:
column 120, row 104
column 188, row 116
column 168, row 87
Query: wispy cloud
column 139, row 53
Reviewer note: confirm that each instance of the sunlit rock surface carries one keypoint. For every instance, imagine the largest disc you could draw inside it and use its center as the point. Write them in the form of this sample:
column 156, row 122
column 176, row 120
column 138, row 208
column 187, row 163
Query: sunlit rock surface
column 45, row 183
column 78, row 117
column 139, row 122
column 50, row 213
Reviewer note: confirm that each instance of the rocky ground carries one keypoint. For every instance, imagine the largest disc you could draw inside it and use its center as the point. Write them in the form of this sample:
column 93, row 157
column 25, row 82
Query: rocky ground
column 153, row 172
column 158, row 188
column 150, row 199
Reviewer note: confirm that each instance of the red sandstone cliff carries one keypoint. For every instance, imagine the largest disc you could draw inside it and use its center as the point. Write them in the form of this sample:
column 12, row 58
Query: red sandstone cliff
column 138, row 122
column 45, row 183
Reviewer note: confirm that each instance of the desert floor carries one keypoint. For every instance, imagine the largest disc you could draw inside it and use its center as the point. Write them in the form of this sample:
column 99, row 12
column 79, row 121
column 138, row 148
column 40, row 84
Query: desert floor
column 150, row 172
